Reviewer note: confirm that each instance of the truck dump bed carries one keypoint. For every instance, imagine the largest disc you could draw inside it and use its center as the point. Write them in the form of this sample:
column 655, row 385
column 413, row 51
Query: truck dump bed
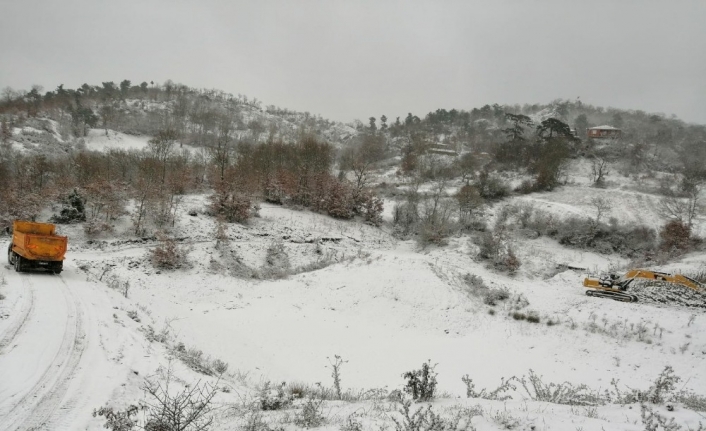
column 38, row 241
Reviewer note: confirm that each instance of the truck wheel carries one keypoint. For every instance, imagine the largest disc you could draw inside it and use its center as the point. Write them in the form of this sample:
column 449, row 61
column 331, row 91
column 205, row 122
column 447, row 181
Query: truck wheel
column 10, row 256
column 18, row 263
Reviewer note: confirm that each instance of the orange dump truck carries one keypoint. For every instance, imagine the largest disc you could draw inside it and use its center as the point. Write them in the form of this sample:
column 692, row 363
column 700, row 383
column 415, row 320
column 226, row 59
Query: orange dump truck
column 36, row 246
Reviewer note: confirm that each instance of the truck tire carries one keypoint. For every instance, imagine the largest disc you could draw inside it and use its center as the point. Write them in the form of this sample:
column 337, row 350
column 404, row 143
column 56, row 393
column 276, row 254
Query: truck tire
column 10, row 255
column 57, row 268
column 18, row 263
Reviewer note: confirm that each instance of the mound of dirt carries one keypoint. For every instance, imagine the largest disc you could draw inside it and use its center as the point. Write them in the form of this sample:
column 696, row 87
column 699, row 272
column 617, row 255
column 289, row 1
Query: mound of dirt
column 667, row 293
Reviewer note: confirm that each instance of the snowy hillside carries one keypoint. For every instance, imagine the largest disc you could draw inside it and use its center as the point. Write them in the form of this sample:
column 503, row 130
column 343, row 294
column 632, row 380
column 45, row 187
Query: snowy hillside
column 87, row 338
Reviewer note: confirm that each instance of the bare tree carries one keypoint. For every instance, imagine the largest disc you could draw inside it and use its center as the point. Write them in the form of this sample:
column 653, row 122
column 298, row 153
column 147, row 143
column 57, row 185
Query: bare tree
column 161, row 147
column 602, row 206
column 436, row 214
column 599, row 169
column 681, row 209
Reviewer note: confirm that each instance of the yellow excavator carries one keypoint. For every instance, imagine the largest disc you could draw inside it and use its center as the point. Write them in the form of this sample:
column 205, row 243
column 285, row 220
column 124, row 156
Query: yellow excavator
column 615, row 287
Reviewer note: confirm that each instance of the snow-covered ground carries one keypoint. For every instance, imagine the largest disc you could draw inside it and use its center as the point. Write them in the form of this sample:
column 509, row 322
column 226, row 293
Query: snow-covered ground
column 99, row 140
column 67, row 344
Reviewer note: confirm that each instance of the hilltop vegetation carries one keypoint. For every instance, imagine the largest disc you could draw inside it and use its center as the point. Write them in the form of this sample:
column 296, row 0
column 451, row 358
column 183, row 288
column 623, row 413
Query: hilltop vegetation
column 447, row 167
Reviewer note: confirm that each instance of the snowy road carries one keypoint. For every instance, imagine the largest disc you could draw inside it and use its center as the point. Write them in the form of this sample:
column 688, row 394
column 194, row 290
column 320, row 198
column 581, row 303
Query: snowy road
column 41, row 351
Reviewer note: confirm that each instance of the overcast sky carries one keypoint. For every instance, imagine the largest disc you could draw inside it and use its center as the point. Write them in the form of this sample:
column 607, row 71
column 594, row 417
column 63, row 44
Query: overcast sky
column 356, row 59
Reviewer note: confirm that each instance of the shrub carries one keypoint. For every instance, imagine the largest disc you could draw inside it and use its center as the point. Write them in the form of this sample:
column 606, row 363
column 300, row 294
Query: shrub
column 665, row 383
column 94, row 227
column 675, row 237
column 256, row 423
column 277, row 263
column 421, row 384
column 73, row 209
column 339, row 200
column 533, row 317
column 491, row 187
column 654, row 421
column 405, row 218
column 424, row 419
column 518, row 315
column 352, row 424
column 167, row 255
column 489, row 245
column 187, row 410
column 496, row 394
column 274, row 398
column 233, row 207
column 508, row 262
column 310, row 415
column 116, row 420
column 370, row 207
column 525, row 187
column 493, row 296
column 165, row 410
column 559, row 393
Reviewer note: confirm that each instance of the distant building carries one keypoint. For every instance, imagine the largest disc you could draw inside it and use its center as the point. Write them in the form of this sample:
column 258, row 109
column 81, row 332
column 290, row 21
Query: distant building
column 603, row 132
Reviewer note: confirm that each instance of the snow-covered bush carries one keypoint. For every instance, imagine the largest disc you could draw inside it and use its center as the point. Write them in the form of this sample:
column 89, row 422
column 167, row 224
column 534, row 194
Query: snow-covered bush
column 277, row 263
column 95, row 227
column 559, row 393
column 167, row 255
column 477, row 287
column 311, row 415
column 118, row 420
column 425, row 419
column 73, row 209
column 675, row 237
column 273, row 398
column 370, row 207
column 497, row 394
column 405, row 218
column 232, row 207
column 421, row 384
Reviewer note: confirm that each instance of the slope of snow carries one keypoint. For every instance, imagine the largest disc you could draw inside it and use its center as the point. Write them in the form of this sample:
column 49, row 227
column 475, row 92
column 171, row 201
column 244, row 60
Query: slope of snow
column 97, row 140
column 67, row 345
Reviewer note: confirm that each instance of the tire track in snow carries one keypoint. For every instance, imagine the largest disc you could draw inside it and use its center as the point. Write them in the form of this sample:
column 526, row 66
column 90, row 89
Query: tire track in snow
column 36, row 408
column 11, row 332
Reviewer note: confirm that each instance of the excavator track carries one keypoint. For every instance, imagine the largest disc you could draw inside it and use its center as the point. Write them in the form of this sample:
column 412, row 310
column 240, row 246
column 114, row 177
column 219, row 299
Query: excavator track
column 616, row 296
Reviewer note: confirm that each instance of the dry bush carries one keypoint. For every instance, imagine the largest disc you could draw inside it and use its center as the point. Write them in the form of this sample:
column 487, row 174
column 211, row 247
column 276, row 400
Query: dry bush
column 588, row 233
column 559, row 393
column 232, row 207
column 311, row 415
column 198, row 361
column 277, row 263
column 370, row 207
column 94, row 227
column 167, row 255
column 405, row 218
column 497, row 394
column 425, row 419
column 675, row 237
column 339, row 200
column 187, row 410
column 491, row 187
column 273, row 398
column 477, row 287
column 421, row 384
